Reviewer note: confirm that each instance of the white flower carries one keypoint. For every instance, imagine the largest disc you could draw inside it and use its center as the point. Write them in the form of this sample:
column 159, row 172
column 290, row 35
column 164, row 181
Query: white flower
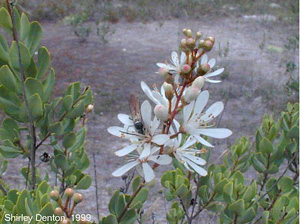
column 158, row 97
column 137, row 139
column 211, row 62
column 142, row 159
column 175, row 66
column 197, row 123
column 186, row 154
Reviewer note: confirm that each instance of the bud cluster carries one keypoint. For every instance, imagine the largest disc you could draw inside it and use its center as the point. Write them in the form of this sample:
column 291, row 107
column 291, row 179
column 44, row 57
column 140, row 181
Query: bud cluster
column 65, row 209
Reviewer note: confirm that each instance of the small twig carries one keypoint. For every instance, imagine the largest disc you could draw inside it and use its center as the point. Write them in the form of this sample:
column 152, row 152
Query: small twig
column 96, row 186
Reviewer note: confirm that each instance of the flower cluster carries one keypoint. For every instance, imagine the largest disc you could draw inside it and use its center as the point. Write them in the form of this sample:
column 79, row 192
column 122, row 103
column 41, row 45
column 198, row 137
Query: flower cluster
column 159, row 139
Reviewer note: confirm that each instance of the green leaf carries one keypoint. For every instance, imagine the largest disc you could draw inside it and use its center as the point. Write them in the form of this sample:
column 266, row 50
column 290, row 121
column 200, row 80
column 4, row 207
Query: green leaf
column 80, row 138
column 77, row 111
column 33, row 86
column 228, row 191
column 116, row 206
column 265, row 217
column 25, row 26
column 5, row 20
column 111, row 219
column 286, row 184
column 67, row 102
column 7, row 78
column 9, row 152
column 43, row 62
column 4, row 49
column 293, row 132
column 34, row 37
column 13, row 56
column 265, row 146
column 219, row 186
column 257, row 165
column 237, row 207
column 248, row 216
column 140, row 197
column 56, row 128
column 35, row 106
column 136, row 183
column 48, row 85
column 69, row 140
column 84, row 183
column 10, row 103
column 130, row 217
column 61, row 162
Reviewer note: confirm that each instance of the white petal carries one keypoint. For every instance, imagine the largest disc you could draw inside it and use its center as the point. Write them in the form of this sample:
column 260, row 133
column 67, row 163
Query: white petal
column 215, row 132
column 117, row 131
column 213, row 111
column 187, row 111
column 160, row 98
column 198, row 169
column 126, row 150
column 160, row 139
column 161, row 65
column 146, row 151
column 182, row 58
column 176, row 79
column 189, row 142
column 174, row 57
column 146, row 111
column 148, row 92
column 203, row 59
column 211, row 80
column 120, row 172
column 125, row 119
column 154, row 125
column 201, row 102
column 161, row 159
column 148, row 172
column 212, row 62
column 203, row 141
column 195, row 159
column 215, row 73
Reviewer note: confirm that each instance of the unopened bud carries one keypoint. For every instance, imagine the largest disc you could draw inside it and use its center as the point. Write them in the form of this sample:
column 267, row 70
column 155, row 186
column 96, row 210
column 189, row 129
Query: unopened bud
column 203, row 69
column 169, row 92
column 54, row 195
column 69, row 192
column 191, row 94
column 212, row 39
column 186, row 69
column 163, row 71
column 184, row 31
column 169, row 79
column 90, row 108
column 58, row 211
column 189, row 33
column 201, row 44
column 198, row 82
column 198, row 35
column 208, row 45
column 65, row 221
column 77, row 198
column 183, row 43
column 190, row 43
column 161, row 112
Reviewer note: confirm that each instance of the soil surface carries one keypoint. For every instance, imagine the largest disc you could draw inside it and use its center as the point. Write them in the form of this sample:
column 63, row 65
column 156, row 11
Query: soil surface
column 253, row 84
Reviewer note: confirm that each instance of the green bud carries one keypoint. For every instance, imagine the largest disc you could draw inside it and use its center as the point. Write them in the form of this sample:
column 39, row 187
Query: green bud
column 77, row 198
column 54, row 195
column 58, row 211
column 203, row 69
column 69, row 192
column 208, row 45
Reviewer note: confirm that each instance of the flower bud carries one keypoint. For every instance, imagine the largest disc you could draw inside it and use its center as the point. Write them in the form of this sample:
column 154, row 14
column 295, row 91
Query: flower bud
column 190, row 43
column 186, row 69
column 184, row 31
column 201, row 44
column 208, row 45
column 54, row 195
column 203, row 69
column 58, row 211
column 161, row 112
column 169, row 79
column 198, row 35
column 191, row 94
column 90, row 108
column 169, row 92
column 163, row 71
column 69, row 192
column 65, row 221
column 189, row 33
column 198, row 82
column 212, row 39
column 183, row 43
column 77, row 198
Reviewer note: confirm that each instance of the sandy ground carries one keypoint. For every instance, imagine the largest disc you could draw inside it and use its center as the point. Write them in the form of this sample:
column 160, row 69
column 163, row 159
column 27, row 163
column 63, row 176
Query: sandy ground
column 253, row 84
